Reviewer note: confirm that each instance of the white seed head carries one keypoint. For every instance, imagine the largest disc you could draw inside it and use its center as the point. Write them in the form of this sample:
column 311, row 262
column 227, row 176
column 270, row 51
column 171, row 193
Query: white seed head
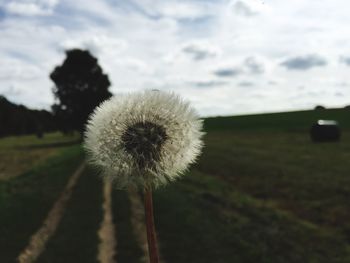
column 146, row 138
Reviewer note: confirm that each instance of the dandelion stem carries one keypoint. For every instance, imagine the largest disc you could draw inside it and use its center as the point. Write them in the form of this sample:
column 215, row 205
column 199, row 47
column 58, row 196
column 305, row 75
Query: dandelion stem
column 151, row 231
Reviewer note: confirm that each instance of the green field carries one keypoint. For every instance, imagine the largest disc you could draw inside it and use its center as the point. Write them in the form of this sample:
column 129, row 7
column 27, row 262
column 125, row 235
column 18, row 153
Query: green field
column 261, row 192
column 20, row 153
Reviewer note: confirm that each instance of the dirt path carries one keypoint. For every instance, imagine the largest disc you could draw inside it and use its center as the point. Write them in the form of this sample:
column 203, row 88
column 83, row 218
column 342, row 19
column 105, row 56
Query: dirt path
column 39, row 239
column 108, row 243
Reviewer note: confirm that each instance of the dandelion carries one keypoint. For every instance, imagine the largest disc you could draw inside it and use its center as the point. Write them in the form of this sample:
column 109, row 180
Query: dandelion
column 145, row 139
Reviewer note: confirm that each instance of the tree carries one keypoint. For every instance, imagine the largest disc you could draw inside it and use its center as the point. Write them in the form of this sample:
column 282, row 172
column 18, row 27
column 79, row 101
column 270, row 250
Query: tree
column 80, row 86
column 320, row 107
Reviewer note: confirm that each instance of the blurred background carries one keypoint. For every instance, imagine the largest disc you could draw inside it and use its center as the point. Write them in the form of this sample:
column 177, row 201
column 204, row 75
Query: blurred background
column 270, row 80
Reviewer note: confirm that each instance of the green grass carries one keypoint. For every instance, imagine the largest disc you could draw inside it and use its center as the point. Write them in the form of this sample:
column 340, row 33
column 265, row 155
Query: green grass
column 20, row 153
column 12, row 142
column 127, row 247
column 26, row 200
column 76, row 237
column 286, row 170
column 201, row 219
column 260, row 192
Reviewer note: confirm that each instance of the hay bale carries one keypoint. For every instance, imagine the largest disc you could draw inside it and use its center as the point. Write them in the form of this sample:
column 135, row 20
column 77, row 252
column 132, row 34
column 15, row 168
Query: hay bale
column 325, row 131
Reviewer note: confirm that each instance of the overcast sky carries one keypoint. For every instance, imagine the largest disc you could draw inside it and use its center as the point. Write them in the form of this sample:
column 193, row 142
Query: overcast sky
column 227, row 57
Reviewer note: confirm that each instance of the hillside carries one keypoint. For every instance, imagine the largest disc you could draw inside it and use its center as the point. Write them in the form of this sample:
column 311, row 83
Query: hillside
column 287, row 121
column 260, row 192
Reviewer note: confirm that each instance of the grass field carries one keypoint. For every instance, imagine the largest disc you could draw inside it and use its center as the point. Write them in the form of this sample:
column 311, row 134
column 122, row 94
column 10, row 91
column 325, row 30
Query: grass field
column 261, row 192
column 20, row 153
column 26, row 199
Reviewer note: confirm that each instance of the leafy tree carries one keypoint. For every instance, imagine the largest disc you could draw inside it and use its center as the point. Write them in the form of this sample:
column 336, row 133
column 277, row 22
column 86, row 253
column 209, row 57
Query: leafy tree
column 320, row 107
column 80, row 86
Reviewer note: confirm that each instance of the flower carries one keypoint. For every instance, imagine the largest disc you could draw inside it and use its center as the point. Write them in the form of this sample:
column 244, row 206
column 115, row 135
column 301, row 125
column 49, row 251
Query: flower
column 146, row 138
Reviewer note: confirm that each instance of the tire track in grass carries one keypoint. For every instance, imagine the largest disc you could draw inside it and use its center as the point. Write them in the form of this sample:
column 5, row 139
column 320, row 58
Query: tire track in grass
column 108, row 242
column 38, row 241
column 26, row 200
column 76, row 239
column 127, row 245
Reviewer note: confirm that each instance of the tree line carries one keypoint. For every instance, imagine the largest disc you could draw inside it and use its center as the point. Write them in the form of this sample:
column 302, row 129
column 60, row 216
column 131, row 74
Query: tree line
column 19, row 120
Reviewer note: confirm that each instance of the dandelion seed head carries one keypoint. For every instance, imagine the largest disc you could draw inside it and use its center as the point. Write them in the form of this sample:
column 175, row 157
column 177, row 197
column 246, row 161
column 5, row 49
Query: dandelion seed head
column 144, row 138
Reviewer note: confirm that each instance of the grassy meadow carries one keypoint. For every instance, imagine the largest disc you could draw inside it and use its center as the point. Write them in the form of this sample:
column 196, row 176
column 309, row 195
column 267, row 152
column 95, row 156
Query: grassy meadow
column 20, row 153
column 260, row 192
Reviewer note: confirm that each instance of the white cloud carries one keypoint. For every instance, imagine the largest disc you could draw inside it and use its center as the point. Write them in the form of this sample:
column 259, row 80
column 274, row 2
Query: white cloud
column 226, row 72
column 182, row 10
column 208, row 83
column 345, row 60
column 96, row 43
column 253, row 65
column 183, row 46
column 242, row 8
column 246, row 84
column 200, row 50
column 30, row 7
column 177, row 9
column 304, row 62
column 15, row 69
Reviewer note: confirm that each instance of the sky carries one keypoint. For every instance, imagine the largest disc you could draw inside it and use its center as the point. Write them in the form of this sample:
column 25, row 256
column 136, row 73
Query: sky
column 227, row 57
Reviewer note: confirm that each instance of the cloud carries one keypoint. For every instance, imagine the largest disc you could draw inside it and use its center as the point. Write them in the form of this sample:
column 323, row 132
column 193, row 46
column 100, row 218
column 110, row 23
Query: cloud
column 200, row 51
column 16, row 69
column 179, row 10
column 246, row 84
column 345, row 60
column 304, row 62
column 243, row 9
column 29, row 7
column 215, row 46
column 97, row 44
column 253, row 65
column 250, row 65
column 342, row 84
column 208, row 83
column 135, row 65
column 339, row 94
column 11, row 91
column 227, row 72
